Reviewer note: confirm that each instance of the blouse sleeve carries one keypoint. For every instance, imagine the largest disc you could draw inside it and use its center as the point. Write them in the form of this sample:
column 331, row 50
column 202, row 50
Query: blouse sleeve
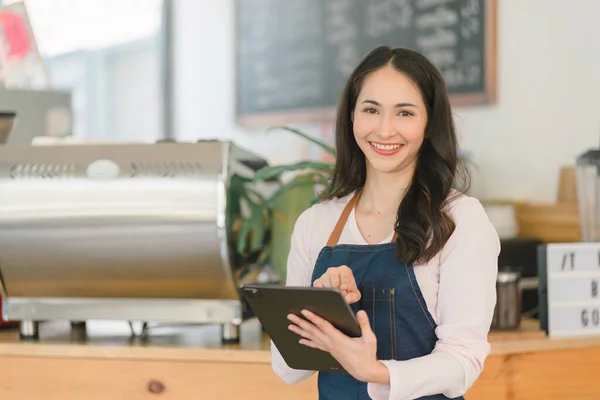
column 299, row 272
column 466, row 301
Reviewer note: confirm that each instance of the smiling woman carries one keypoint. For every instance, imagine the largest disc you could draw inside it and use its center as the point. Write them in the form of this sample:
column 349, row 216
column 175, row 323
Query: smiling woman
column 416, row 259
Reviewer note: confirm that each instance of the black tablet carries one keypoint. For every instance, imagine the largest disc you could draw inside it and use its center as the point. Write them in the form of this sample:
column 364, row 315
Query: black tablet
column 271, row 305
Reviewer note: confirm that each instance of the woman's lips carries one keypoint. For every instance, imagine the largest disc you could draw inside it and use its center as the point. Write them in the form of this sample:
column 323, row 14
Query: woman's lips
column 386, row 149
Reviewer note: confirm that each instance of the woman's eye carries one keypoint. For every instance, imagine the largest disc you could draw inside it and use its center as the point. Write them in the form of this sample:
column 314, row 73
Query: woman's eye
column 370, row 110
column 405, row 113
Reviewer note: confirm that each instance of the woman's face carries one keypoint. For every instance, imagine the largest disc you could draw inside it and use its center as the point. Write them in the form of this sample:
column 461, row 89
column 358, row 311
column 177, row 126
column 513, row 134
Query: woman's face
column 389, row 121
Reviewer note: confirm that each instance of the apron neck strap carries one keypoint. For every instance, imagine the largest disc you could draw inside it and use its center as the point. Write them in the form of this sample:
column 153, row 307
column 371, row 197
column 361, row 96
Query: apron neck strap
column 339, row 227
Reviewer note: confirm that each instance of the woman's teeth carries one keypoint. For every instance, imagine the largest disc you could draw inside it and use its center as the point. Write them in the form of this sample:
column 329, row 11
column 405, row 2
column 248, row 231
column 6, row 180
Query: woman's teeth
column 386, row 146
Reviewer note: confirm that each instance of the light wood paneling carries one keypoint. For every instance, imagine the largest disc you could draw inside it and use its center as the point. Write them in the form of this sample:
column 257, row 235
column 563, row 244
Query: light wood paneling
column 96, row 379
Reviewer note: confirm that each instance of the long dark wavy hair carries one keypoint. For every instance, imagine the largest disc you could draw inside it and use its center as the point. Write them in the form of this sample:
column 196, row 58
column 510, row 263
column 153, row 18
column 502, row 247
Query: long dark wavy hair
column 423, row 224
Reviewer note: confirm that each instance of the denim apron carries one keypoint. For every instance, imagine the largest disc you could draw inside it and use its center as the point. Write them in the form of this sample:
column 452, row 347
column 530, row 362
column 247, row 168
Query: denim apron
column 392, row 299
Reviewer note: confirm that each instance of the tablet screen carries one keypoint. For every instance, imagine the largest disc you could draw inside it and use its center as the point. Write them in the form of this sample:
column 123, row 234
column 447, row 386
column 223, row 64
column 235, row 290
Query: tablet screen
column 272, row 303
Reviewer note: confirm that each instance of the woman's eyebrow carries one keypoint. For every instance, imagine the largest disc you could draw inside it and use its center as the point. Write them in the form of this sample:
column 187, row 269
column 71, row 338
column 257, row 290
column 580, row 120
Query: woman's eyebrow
column 397, row 105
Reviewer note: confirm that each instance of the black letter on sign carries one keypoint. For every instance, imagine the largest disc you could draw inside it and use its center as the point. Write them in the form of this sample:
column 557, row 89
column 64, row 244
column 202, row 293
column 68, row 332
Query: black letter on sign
column 568, row 259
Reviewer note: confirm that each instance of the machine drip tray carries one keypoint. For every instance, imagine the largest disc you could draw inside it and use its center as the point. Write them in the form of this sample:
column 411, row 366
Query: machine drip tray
column 140, row 316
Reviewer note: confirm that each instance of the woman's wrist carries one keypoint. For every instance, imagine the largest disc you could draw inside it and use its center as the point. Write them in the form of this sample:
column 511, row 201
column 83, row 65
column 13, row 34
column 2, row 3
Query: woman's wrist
column 380, row 374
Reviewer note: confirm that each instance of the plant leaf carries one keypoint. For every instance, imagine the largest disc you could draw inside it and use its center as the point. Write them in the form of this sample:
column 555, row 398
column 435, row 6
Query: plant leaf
column 259, row 197
column 257, row 224
column 273, row 172
column 300, row 180
column 249, row 224
column 244, row 228
column 317, row 142
column 264, row 254
column 242, row 237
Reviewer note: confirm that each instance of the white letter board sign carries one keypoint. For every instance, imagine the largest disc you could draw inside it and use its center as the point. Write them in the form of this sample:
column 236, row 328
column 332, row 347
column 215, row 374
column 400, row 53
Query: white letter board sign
column 569, row 289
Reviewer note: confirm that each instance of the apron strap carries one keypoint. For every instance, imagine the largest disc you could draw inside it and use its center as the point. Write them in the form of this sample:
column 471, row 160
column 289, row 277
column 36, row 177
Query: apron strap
column 339, row 227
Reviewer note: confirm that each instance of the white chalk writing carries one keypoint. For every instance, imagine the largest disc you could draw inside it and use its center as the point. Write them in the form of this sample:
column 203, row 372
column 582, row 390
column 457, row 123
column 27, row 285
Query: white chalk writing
column 385, row 16
column 469, row 24
column 441, row 17
column 423, row 4
column 439, row 38
column 343, row 34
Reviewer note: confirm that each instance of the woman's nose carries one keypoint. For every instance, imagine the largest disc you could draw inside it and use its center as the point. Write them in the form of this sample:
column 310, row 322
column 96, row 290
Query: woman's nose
column 387, row 129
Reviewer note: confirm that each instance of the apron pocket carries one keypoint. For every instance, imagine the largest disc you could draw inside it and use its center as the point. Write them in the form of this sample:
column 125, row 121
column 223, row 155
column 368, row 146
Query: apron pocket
column 379, row 304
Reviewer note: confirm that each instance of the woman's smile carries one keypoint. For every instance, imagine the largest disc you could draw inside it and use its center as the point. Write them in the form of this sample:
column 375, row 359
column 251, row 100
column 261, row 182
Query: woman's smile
column 386, row 149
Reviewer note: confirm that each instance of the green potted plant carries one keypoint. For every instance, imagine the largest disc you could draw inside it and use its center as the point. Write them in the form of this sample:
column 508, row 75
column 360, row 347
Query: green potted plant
column 268, row 229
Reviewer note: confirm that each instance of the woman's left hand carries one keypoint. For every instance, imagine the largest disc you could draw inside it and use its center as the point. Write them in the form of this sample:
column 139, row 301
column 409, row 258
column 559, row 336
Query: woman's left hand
column 358, row 356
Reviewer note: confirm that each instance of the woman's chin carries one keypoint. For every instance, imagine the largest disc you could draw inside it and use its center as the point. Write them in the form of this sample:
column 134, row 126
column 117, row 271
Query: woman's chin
column 386, row 167
column 396, row 164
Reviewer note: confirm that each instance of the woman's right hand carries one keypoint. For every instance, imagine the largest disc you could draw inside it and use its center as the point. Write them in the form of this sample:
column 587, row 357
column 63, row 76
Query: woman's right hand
column 340, row 277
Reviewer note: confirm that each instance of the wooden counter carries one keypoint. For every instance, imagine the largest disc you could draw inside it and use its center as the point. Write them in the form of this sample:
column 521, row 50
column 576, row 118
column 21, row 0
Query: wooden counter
column 188, row 362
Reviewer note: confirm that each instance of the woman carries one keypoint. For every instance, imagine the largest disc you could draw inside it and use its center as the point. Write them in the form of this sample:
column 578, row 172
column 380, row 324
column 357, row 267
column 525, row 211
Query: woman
column 415, row 258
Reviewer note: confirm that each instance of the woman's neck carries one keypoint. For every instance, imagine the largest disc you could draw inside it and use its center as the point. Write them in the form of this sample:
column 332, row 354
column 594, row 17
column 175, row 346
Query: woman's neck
column 383, row 192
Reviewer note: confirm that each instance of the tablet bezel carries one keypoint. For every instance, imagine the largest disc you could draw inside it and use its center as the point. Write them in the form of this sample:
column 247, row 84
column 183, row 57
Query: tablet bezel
column 272, row 303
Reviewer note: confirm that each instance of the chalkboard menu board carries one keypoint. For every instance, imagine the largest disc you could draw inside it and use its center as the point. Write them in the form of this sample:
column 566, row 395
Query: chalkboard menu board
column 293, row 56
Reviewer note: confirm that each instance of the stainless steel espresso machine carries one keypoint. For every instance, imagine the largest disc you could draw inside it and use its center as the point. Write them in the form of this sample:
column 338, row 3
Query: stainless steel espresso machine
column 133, row 232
